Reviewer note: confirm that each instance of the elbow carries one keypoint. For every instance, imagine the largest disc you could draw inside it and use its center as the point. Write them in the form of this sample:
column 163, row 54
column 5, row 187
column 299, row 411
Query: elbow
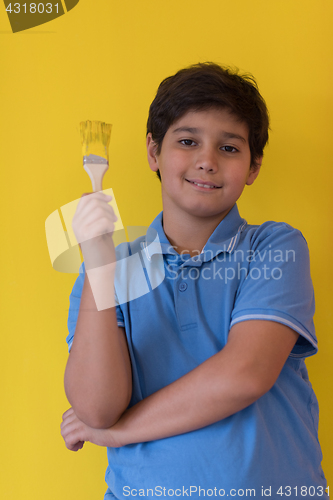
column 107, row 416
column 99, row 420
column 246, row 390
column 96, row 405
column 256, row 387
column 99, row 416
column 254, row 380
column 98, row 413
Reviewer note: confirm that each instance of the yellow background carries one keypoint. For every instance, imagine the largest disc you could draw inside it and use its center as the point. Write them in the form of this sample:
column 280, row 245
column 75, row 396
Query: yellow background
column 103, row 61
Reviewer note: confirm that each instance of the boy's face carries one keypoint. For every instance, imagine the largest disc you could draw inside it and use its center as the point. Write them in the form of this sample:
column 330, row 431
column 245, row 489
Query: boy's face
column 205, row 147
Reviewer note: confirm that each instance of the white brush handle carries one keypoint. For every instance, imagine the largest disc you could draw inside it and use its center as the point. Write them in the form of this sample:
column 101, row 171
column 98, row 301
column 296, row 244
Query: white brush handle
column 96, row 173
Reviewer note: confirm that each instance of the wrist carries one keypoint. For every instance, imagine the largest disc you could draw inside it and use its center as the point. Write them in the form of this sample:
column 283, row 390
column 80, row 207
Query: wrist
column 99, row 251
column 118, row 435
column 109, row 438
column 101, row 281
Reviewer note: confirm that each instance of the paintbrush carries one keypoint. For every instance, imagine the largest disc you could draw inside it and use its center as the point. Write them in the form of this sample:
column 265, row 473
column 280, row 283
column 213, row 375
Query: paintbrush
column 95, row 139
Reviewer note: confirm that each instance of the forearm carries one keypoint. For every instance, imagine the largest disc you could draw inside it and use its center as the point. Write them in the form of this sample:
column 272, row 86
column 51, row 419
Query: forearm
column 196, row 400
column 98, row 381
column 243, row 371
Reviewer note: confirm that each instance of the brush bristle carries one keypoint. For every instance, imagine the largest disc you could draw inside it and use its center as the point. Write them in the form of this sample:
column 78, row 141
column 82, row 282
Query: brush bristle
column 95, row 138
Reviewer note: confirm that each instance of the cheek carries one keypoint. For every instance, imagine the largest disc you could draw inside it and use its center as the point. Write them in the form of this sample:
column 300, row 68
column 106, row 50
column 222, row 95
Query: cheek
column 237, row 181
column 236, row 176
column 177, row 162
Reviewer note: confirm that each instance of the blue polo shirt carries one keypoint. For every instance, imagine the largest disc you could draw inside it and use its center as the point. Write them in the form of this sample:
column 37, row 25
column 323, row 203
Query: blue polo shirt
column 177, row 312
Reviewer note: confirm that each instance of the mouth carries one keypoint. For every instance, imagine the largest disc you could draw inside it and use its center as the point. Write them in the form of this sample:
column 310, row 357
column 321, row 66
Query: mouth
column 204, row 184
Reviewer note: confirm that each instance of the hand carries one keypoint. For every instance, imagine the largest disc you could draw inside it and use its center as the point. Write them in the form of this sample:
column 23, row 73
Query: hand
column 93, row 225
column 75, row 433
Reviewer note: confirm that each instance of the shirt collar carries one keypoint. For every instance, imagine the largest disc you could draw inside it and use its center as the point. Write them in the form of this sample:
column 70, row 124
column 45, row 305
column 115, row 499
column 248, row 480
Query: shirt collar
column 223, row 239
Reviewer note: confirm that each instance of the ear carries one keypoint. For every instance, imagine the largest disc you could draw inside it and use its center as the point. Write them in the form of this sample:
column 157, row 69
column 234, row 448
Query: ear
column 151, row 153
column 254, row 171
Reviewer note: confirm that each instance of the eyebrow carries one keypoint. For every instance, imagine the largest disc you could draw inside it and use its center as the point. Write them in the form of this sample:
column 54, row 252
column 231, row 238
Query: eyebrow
column 191, row 130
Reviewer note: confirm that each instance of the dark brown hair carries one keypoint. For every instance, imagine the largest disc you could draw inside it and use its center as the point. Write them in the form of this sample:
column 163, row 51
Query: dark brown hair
column 208, row 85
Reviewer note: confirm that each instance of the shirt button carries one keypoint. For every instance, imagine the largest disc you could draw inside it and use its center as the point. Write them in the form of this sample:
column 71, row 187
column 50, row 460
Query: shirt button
column 182, row 287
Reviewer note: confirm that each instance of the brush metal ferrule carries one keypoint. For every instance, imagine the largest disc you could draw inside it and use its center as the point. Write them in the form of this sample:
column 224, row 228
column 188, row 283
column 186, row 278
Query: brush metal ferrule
column 94, row 159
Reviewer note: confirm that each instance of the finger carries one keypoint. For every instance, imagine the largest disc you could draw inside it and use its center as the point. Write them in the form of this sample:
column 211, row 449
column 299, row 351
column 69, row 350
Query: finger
column 86, row 198
column 68, row 412
column 84, row 204
column 71, row 435
column 69, row 419
column 73, row 442
column 97, row 227
column 73, row 431
column 76, row 447
column 95, row 194
column 95, row 224
column 95, row 206
column 93, row 213
column 73, row 445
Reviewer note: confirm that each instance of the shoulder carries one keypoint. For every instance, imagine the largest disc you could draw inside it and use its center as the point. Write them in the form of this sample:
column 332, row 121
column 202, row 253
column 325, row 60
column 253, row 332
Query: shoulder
column 274, row 234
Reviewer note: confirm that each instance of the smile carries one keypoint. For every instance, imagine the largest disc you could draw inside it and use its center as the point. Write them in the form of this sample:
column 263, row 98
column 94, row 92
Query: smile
column 207, row 186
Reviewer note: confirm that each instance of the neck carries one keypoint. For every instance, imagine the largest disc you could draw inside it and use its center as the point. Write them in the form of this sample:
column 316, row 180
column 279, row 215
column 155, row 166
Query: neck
column 189, row 234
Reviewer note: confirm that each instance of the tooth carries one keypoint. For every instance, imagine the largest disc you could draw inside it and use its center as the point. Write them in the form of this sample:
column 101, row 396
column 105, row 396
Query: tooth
column 204, row 185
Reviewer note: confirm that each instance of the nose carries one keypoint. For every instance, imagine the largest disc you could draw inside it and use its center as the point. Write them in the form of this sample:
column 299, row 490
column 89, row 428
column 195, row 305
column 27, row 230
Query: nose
column 207, row 159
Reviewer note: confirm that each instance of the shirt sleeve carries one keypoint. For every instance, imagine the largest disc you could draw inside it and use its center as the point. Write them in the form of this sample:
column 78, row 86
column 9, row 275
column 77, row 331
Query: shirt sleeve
column 74, row 306
column 277, row 285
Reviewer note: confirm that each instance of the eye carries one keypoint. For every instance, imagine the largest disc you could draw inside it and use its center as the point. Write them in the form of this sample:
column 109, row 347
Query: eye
column 230, row 149
column 187, row 142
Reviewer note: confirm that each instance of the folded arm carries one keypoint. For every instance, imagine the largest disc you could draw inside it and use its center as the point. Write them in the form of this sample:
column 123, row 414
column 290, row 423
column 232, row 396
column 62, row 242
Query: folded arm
column 98, row 377
column 245, row 369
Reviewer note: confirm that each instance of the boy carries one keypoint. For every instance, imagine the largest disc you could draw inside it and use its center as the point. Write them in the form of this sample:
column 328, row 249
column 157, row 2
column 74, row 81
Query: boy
column 198, row 387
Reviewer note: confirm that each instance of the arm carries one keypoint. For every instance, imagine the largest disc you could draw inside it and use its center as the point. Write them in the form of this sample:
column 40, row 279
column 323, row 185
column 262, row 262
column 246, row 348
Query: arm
column 98, row 381
column 224, row 384
column 98, row 371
